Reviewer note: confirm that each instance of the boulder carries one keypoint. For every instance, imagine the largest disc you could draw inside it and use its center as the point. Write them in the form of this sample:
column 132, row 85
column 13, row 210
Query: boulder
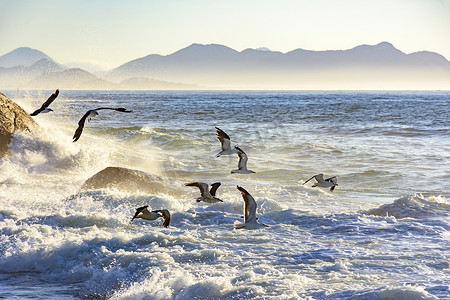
column 128, row 180
column 12, row 118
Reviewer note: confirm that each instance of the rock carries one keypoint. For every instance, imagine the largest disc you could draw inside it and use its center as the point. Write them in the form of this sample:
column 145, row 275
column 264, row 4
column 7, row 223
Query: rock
column 12, row 118
column 128, row 180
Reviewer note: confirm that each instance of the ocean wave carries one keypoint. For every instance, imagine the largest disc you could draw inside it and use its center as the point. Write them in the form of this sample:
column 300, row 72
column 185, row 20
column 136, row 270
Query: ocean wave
column 402, row 292
column 164, row 138
column 412, row 206
column 165, row 285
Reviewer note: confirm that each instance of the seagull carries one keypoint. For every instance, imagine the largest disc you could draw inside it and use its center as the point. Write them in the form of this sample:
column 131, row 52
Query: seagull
column 144, row 213
column 44, row 108
column 206, row 196
column 320, row 182
column 250, row 219
column 225, row 142
column 242, row 164
column 89, row 115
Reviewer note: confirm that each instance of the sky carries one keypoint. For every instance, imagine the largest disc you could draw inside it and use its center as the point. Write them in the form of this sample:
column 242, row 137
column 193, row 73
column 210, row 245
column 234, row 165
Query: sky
column 108, row 33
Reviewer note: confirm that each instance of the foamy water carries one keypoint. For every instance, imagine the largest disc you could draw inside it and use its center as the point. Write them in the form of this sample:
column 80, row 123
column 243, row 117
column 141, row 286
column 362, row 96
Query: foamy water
column 382, row 234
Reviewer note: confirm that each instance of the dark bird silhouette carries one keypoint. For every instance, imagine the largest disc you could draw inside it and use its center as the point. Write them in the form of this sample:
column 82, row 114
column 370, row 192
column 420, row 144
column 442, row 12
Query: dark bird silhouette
column 44, row 108
column 326, row 183
column 90, row 114
column 144, row 213
column 206, row 196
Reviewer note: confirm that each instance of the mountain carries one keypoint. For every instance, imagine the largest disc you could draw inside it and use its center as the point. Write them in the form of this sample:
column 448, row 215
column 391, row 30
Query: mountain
column 88, row 66
column 23, row 56
column 380, row 66
column 26, row 68
column 69, row 79
column 78, row 79
column 18, row 76
column 215, row 66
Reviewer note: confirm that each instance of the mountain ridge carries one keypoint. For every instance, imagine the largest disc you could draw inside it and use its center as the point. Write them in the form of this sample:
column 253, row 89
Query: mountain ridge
column 216, row 66
column 221, row 66
column 22, row 56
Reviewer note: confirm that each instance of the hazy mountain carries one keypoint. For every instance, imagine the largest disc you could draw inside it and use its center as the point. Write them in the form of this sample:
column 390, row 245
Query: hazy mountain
column 429, row 58
column 88, row 66
column 45, row 73
column 214, row 66
column 80, row 79
column 69, row 79
column 365, row 66
column 23, row 56
column 19, row 76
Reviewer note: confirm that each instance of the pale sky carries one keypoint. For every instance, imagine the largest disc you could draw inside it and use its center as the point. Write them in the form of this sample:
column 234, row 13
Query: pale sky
column 112, row 32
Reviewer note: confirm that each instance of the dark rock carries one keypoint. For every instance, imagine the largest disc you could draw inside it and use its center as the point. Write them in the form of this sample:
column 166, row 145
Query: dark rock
column 12, row 118
column 128, row 180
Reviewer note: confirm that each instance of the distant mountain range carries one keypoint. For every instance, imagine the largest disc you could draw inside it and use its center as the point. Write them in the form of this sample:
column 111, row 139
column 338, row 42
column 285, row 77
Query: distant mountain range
column 197, row 66
column 26, row 68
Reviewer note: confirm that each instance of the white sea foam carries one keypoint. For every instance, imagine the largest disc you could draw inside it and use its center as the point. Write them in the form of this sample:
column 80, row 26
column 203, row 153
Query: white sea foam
column 403, row 292
column 413, row 206
column 362, row 241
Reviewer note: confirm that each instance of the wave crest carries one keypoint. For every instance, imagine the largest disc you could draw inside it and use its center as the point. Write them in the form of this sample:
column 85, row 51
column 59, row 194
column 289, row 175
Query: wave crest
column 412, row 206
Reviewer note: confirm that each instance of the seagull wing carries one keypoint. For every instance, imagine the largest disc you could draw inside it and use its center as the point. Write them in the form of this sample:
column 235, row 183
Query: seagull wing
column 138, row 211
column 214, row 188
column 37, row 111
column 332, row 179
column 319, row 178
column 46, row 103
column 165, row 214
column 203, row 187
column 50, row 99
column 79, row 130
column 249, row 206
column 242, row 164
column 308, row 180
column 223, row 138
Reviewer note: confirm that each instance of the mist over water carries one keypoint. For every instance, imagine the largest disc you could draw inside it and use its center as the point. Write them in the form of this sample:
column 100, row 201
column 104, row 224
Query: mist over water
column 382, row 233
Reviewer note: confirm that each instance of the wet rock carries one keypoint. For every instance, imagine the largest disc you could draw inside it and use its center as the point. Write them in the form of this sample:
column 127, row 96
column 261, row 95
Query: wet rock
column 12, row 118
column 128, row 180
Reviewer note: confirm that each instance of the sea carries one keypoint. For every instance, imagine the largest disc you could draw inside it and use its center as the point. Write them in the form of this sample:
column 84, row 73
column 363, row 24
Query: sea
column 383, row 233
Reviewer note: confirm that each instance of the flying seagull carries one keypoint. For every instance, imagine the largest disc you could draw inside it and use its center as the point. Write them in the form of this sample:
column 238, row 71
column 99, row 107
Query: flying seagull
column 90, row 114
column 206, row 196
column 225, row 143
column 327, row 183
column 242, row 164
column 144, row 213
column 44, row 108
column 250, row 220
